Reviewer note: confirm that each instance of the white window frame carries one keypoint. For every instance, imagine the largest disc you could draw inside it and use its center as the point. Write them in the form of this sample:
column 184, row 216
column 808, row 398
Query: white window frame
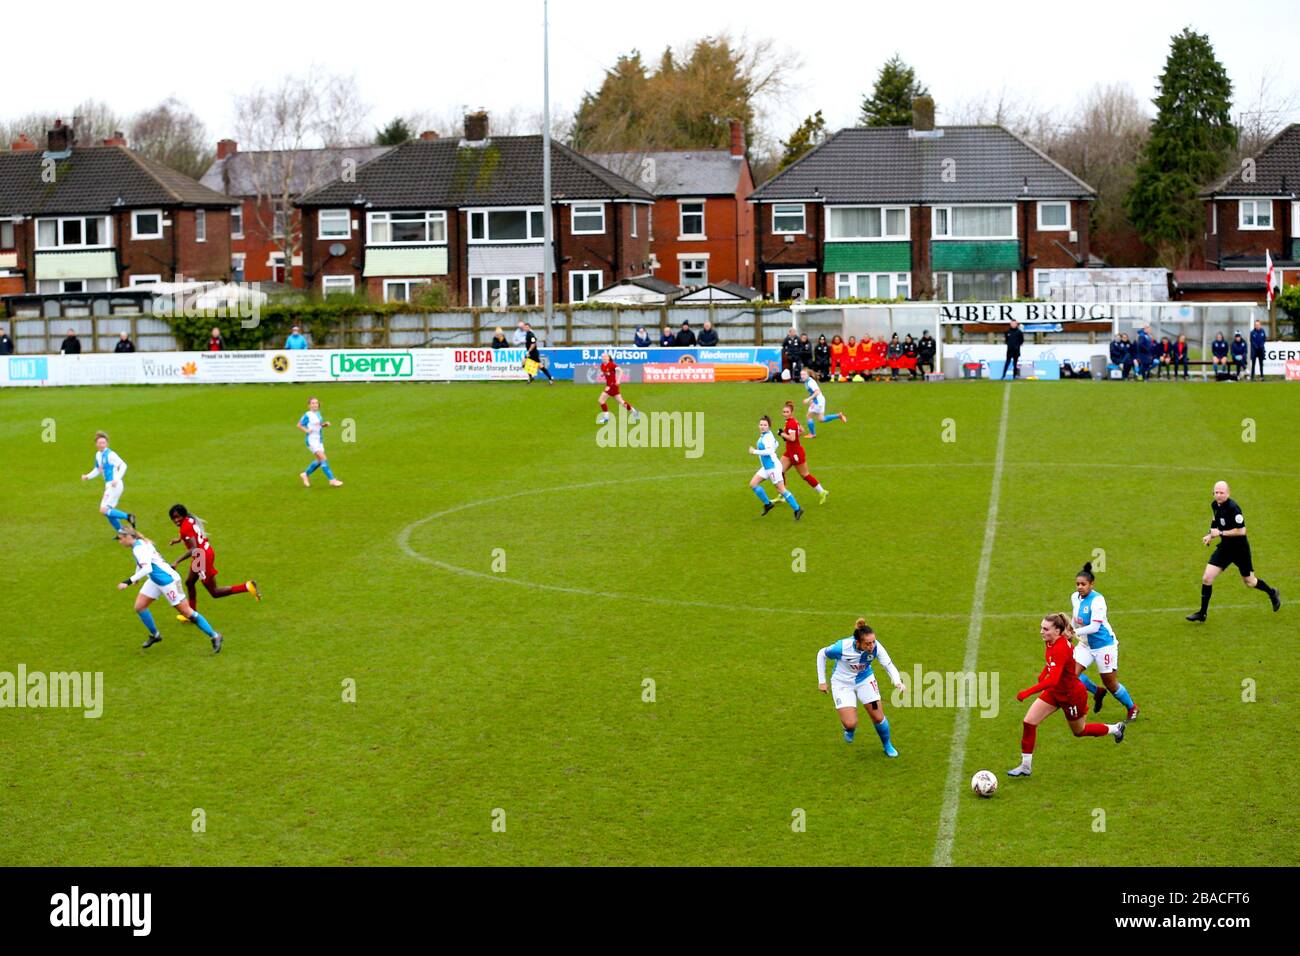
column 937, row 236
column 884, row 216
column 633, row 209
column 1254, row 204
column 484, row 212
column 345, row 284
column 1214, row 218
column 478, row 284
column 200, row 225
column 136, row 233
column 947, row 285
column 242, row 258
column 1295, row 220
column 682, row 234
column 237, row 214
column 1069, row 216
column 107, row 238
column 587, row 207
column 408, row 284
column 279, row 218
column 803, row 277
column 347, row 223
column 431, row 217
column 1038, row 282
column 584, row 276
column 63, row 285
column 137, row 281
column 803, row 218
column 13, row 232
column 686, row 257
column 896, row 280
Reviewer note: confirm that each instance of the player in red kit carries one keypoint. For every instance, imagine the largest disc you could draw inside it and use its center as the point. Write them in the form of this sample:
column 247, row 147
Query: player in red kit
column 609, row 370
column 794, row 451
column 1058, row 688
column 203, row 563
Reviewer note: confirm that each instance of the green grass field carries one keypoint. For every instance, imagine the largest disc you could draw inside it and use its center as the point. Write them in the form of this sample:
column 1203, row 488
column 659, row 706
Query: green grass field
column 523, row 690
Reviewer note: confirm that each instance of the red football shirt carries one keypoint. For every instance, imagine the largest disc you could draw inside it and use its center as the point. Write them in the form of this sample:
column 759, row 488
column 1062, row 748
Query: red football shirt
column 1059, row 673
column 193, row 536
column 610, row 371
column 793, row 446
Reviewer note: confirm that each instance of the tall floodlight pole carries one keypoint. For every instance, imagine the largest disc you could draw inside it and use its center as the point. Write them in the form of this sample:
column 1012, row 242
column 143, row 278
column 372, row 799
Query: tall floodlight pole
column 548, row 256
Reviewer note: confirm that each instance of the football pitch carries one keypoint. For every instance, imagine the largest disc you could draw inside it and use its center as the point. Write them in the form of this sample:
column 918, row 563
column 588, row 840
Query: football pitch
column 502, row 643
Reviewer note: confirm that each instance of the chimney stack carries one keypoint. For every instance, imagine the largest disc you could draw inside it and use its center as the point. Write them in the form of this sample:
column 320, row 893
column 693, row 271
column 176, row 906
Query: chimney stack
column 476, row 126
column 226, row 148
column 737, row 138
column 923, row 114
column 22, row 144
column 60, row 138
column 117, row 139
column 429, row 134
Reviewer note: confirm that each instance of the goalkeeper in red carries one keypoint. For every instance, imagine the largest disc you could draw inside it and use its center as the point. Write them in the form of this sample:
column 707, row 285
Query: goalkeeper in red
column 609, row 371
column 1058, row 688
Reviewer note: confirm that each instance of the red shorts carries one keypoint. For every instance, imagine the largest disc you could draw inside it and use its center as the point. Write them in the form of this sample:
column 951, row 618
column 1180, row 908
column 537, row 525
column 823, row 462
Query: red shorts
column 205, row 564
column 611, row 390
column 1074, row 705
column 796, row 456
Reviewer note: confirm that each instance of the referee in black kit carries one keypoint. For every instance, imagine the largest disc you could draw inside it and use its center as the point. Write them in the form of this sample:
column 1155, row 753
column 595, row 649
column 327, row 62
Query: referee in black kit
column 1229, row 528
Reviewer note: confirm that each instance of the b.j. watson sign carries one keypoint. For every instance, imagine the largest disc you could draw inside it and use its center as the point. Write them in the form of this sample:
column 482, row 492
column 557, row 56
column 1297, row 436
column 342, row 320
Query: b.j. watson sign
column 1027, row 312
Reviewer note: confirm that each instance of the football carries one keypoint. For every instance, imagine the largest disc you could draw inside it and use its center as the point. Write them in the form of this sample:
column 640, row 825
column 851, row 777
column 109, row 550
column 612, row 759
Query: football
column 984, row 783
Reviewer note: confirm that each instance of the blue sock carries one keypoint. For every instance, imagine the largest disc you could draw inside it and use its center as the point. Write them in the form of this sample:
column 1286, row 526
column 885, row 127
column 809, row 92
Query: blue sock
column 1084, row 679
column 848, row 735
column 1121, row 694
column 117, row 525
column 147, row 617
column 325, row 467
column 812, row 429
column 762, row 495
column 116, row 513
column 882, row 729
column 313, row 466
column 789, row 499
column 831, row 418
column 203, row 624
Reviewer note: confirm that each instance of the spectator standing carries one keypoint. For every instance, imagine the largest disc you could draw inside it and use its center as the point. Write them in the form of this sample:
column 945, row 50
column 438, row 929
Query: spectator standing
column 215, row 342
column 296, row 340
column 708, row 336
column 642, row 338
column 1014, row 339
column 666, row 338
column 1238, row 350
column 822, row 358
column 925, row 350
column 805, row 351
column 1181, row 356
column 6, row 343
column 499, row 340
column 685, row 337
column 1145, row 352
column 1258, row 340
column 123, row 343
column 519, row 336
column 71, row 345
column 790, row 354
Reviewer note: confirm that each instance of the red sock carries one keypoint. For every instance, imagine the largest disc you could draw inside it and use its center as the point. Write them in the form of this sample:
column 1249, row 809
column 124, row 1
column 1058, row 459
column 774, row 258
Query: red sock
column 604, row 407
column 1028, row 737
column 238, row 588
column 1094, row 730
column 811, row 480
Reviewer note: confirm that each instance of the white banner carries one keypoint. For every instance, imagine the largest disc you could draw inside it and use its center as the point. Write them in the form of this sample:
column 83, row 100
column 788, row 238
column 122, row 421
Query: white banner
column 316, row 365
column 1076, row 353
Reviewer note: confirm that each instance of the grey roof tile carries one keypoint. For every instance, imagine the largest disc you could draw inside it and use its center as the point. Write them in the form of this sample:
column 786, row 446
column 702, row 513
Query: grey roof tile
column 1276, row 170
column 887, row 164
column 243, row 173
column 694, row 172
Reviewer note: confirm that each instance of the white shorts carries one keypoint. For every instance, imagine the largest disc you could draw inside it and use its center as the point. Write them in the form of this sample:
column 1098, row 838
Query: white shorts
column 316, row 447
column 817, row 408
column 112, row 494
column 773, row 474
column 173, row 592
column 848, row 695
column 1106, row 658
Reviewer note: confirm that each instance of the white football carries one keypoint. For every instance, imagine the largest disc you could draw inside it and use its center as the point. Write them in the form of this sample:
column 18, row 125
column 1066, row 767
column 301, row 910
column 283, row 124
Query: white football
column 984, row 783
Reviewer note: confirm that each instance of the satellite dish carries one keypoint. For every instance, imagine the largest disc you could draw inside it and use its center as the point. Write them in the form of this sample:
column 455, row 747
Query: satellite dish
column 337, row 248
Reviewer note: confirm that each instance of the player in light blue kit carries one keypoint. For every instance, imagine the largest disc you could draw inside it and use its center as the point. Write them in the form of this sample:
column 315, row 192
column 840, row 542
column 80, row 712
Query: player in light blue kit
column 160, row 580
column 310, row 425
column 816, row 402
column 853, row 681
column 112, row 468
column 769, row 469
column 1097, row 643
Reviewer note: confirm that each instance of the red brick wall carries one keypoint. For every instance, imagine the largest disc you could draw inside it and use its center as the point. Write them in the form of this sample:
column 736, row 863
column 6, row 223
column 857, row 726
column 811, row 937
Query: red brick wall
column 209, row 259
column 1231, row 240
column 774, row 254
column 258, row 243
column 1040, row 247
column 729, row 242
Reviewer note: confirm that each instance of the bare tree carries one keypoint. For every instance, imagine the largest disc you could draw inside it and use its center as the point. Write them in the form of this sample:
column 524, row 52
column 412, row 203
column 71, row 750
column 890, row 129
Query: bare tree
column 171, row 134
column 1263, row 113
column 291, row 132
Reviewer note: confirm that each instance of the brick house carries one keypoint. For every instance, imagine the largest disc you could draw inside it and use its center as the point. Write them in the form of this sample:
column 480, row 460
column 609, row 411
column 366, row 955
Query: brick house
column 468, row 214
column 267, row 182
column 702, row 224
column 1256, row 209
column 952, row 213
column 95, row 218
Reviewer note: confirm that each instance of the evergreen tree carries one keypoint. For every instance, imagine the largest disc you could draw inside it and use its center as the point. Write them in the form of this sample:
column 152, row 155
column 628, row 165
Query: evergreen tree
column 1190, row 143
column 890, row 102
column 809, row 133
column 395, row 133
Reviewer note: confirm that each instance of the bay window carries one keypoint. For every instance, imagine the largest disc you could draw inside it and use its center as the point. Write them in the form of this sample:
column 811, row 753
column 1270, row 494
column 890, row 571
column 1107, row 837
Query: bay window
column 397, row 228
column 74, row 232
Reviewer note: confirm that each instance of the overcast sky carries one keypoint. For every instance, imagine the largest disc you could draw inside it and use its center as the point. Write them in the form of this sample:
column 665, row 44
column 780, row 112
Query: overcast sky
column 435, row 57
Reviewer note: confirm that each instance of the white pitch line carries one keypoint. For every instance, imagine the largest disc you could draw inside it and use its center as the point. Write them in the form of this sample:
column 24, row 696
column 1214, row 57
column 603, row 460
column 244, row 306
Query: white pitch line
column 957, row 755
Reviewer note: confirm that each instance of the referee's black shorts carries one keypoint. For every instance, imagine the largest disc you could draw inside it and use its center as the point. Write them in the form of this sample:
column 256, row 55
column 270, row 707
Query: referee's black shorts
column 1238, row 554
